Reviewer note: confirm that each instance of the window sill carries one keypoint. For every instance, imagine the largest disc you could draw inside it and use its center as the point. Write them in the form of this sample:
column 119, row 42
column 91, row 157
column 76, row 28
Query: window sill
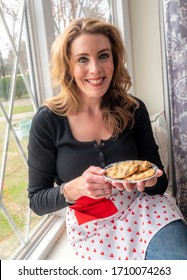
column 43, row 240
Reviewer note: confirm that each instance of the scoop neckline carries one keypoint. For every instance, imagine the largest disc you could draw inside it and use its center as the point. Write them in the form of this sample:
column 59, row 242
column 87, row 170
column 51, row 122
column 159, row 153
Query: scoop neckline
column 86, row 142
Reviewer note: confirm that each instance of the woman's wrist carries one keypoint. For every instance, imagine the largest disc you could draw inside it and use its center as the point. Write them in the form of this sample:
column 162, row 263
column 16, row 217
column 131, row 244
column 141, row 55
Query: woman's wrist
column 63, row 191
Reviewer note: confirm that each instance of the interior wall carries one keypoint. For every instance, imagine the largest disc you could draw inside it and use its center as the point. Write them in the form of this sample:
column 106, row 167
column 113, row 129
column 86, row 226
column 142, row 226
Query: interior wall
column 146, row 53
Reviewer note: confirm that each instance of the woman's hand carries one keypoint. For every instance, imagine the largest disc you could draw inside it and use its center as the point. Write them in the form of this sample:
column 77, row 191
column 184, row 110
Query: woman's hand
column 140, row 186
column 91, row 184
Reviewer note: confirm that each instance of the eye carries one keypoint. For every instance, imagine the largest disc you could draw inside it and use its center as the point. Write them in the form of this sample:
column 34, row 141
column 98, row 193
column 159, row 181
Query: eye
column 104, row 56
column 82, row 59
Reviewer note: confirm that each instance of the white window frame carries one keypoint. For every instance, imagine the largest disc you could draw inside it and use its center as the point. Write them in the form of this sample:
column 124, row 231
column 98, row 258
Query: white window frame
column 121, row 19
column 42, row 34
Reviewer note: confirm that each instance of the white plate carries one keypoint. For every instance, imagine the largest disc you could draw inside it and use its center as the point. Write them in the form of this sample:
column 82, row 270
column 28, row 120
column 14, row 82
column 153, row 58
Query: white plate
column 110, row 179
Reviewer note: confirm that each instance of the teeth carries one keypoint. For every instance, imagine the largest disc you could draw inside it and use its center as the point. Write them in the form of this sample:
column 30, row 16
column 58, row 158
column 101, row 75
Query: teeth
column 95, row 82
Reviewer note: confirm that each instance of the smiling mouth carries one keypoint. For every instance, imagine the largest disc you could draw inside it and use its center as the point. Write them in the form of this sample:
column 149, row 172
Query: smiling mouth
column 96, row 81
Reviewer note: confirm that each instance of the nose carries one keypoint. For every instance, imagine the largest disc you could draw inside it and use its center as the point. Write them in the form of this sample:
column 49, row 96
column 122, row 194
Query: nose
column 95, row 66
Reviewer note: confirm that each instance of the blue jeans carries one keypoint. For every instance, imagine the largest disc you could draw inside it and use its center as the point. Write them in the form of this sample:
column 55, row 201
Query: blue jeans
column 169, row 243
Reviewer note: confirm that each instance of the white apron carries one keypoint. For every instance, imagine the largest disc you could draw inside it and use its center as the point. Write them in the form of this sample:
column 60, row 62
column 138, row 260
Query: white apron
column 118, row 228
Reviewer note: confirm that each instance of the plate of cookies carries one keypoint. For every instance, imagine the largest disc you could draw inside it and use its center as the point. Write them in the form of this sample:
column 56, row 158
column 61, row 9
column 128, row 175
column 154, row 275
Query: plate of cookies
column 130, row 171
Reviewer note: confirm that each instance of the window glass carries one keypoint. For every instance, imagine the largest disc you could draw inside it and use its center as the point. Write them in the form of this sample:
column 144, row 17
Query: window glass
column 66, row 11
column 17, row 107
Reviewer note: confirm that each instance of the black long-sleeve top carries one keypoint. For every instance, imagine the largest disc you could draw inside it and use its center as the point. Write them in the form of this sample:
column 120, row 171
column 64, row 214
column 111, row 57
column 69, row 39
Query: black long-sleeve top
column 54, row 155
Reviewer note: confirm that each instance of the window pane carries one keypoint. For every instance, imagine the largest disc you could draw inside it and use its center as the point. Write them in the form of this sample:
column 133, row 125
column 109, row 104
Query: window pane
column 17, row 107
column 66, row 11
column 9, row 241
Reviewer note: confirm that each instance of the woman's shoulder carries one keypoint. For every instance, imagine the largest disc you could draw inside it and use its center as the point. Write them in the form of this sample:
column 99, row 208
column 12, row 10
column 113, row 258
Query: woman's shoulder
column 44, row 113
column 138, row 100
column 45, row 118
column 141, row 108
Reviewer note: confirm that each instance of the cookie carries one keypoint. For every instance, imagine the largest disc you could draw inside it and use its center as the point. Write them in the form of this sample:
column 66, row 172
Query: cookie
column 122, row 169
column 131, row 170
column 141, row 175
column 143, row 165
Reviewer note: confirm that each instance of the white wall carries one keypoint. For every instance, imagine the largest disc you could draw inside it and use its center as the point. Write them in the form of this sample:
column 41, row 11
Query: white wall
column 146, row 53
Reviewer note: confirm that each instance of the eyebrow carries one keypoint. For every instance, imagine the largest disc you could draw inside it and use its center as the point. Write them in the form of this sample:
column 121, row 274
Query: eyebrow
column 104, row 50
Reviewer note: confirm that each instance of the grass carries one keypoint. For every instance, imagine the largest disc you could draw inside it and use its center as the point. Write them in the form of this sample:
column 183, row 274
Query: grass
column 22, row 109
column 14, row 195
column 15, row 180
column 19, row 109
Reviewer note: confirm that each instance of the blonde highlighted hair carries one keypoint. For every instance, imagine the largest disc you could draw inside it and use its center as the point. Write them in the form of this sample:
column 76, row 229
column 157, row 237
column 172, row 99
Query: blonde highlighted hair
column 117, row 105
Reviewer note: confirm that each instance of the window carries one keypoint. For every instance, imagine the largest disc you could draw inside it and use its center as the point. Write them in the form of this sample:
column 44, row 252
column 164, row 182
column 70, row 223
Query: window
column 66, row 11
column 17, row 106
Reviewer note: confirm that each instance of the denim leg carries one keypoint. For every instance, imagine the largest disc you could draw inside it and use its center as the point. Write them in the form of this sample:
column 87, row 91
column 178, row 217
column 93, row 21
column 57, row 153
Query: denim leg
column 169, row 243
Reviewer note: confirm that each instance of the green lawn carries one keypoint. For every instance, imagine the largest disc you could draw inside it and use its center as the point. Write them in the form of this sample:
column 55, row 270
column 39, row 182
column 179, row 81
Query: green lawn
column 14, row 195
column 15, row 182
column 19, row 109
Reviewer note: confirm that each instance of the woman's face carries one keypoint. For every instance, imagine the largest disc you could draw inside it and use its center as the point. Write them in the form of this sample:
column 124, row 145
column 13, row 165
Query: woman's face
column 92, row 64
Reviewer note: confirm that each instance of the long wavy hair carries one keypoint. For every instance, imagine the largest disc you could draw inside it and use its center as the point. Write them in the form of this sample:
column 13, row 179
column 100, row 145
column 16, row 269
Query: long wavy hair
column 117, row 105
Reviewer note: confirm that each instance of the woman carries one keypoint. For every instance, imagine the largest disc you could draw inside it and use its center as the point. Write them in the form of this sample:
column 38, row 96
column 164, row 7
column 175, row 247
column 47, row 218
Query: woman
column 93, row 122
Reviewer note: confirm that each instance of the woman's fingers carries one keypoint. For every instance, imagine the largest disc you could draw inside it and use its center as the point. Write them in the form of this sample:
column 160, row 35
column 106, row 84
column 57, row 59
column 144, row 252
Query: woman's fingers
column 94, row 174
column 139, row 185
column 159, row 173
column 95, row 184
column 124, row 186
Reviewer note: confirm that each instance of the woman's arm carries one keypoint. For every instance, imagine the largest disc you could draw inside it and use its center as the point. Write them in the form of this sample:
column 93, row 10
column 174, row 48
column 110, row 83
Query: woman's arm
column 44, row 197
column 147, row 149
